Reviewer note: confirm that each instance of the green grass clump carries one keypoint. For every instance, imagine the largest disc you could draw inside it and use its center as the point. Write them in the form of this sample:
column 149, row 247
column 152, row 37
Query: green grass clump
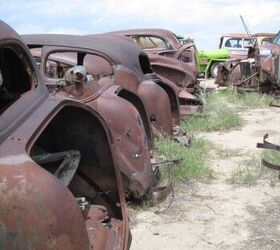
column 194, row 158
column 248, row 99
column 217, row 115
column 221, row 110
column 248, row 172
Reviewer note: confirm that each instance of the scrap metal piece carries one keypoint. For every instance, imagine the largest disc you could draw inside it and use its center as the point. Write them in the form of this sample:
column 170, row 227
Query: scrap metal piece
column 247, row 79
column 268, row 145
column 166, row 162
column 76, row 75
column 82, row 202
column 274, row 105
column 68, row 166
column 182, row 137
column 270, row 165
column 159, row 194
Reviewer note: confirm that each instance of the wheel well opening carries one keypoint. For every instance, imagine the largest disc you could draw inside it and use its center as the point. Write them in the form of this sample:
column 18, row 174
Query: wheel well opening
column 77, row 130
column 145, row 64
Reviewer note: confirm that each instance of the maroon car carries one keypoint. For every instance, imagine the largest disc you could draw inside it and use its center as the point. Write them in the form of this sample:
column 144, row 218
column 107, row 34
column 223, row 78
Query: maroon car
column 60, row 184
column 170, row 60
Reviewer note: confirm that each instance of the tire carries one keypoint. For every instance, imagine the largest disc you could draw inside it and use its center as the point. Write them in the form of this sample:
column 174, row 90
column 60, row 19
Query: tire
column 214, row 69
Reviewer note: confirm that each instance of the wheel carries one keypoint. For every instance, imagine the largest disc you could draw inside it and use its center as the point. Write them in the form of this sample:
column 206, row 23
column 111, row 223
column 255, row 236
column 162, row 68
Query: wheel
column 214, row 69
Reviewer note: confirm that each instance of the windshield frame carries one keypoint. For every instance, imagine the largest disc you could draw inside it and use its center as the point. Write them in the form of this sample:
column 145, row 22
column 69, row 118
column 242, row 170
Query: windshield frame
column 276, row 39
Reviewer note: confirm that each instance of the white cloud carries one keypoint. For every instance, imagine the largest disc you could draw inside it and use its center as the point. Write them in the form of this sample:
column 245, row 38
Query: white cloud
column 205, row 20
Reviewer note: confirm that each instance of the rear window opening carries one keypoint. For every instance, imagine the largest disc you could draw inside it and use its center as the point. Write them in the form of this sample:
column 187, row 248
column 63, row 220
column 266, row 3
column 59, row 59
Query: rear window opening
column 58, row 63
column 145, row 64
column 15, row 77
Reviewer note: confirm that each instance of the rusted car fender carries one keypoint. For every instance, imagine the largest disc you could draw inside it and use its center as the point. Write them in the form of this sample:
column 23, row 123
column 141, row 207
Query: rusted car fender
column 130, row 138
column 48, row 199
column 187, row 102
column 155, row 98
column 29, row 208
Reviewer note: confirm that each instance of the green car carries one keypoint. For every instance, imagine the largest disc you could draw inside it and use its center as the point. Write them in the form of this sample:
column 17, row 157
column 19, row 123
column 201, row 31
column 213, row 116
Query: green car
column 207, row 61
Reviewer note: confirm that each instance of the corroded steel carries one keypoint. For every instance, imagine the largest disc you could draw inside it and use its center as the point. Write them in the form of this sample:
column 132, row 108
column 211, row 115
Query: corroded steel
column 37, row 210
column 130, row 67
column 268, row 145
column 170, row 62
column 258, row 71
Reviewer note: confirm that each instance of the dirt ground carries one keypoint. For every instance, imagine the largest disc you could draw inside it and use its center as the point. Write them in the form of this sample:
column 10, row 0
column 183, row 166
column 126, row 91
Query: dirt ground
column 218, row 214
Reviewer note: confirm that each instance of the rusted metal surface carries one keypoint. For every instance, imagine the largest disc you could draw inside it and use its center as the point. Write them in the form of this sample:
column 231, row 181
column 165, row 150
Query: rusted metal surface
column 258, row 71
column 268, row 145
column 131, row 72
column 37, row 210
column 159, row 194
column 168, row 60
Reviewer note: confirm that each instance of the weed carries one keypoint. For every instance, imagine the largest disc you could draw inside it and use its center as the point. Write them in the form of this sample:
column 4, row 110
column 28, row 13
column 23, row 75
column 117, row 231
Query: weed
column 247, row 100
column 248, row 171
column 217, row 115
column 193, row 160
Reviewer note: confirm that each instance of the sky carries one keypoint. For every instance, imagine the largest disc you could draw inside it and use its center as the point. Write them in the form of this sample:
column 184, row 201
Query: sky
column 204, row 21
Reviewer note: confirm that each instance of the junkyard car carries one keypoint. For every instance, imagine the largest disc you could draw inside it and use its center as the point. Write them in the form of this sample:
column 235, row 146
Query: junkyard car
column 164, row 50
column 238, row 44
column 60, row 185
column 259, row 68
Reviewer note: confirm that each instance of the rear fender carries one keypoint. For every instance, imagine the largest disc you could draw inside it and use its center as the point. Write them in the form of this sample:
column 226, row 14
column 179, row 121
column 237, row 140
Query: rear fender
column 64, row 128
column 157, row 103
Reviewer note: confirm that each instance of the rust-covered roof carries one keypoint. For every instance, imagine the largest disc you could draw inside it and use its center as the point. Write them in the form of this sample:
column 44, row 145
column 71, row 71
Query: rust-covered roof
column 120, row 50
column 6, row 32
column 168, row 35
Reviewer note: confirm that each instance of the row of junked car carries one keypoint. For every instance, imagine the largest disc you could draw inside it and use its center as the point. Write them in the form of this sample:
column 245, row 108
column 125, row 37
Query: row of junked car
column 79, row 115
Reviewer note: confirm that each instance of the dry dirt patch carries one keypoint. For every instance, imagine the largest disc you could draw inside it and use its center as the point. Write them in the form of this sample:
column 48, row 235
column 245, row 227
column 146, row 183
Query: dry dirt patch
column 218, row 214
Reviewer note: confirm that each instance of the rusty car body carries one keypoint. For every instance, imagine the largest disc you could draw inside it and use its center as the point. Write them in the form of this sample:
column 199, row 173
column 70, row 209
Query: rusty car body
column 110, row 63
column 56, row 54
column 233, row 70
column 60, row 185
column 170, row 61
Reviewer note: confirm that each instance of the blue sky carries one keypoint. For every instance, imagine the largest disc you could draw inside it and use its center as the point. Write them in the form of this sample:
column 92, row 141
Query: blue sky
column 205, row 21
